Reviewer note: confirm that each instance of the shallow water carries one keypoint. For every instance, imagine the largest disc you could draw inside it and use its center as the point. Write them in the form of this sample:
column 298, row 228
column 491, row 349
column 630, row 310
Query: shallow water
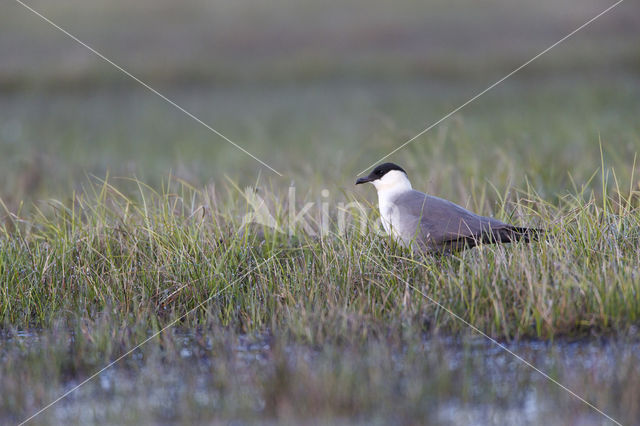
column 264, row 379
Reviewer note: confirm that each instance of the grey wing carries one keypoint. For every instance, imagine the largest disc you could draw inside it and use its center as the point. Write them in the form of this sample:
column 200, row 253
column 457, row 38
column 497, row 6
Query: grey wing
column 438, row 223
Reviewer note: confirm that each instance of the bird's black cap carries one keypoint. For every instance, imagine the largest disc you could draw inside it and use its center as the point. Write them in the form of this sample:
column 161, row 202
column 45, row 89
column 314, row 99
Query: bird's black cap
column 380, row 171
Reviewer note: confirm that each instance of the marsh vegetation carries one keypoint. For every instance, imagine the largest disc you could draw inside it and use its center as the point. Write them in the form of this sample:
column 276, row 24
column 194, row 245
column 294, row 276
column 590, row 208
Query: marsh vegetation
column 121, row 220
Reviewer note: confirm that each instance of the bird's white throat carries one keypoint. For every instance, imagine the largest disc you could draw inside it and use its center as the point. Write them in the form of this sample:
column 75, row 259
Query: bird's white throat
column 392, row 184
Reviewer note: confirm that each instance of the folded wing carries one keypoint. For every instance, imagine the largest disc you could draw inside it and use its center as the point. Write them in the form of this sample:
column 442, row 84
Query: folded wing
column 436, row 224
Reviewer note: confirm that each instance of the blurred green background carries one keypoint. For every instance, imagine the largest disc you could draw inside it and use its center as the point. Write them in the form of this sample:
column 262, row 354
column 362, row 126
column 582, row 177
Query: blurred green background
column 318, row 90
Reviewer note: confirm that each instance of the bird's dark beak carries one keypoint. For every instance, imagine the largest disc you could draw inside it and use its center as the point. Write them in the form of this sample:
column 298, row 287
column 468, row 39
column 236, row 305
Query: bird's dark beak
column 363, row 180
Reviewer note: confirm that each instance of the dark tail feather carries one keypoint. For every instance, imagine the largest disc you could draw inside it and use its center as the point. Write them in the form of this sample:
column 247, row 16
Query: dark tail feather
column 516, row 233
column 507, row 234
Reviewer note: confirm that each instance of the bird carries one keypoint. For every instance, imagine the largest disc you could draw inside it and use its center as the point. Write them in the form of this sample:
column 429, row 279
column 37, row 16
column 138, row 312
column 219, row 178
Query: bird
column 430, row 224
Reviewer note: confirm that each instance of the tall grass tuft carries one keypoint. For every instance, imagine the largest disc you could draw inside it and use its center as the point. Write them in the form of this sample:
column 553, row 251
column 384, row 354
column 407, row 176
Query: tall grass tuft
column 141, row 255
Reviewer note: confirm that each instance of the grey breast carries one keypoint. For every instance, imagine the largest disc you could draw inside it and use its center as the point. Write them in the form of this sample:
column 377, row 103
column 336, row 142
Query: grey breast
column 435, row 224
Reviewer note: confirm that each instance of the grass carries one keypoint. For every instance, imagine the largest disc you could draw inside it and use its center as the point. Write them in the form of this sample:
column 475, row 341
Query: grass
column 158, row 255
column 121, row 220
column 87, row 276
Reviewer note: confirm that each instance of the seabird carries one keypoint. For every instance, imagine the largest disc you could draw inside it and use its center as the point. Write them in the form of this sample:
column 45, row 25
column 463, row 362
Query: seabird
column 432, row 224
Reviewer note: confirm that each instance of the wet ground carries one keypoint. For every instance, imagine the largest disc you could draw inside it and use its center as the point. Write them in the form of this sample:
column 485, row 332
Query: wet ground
column 248, row 379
